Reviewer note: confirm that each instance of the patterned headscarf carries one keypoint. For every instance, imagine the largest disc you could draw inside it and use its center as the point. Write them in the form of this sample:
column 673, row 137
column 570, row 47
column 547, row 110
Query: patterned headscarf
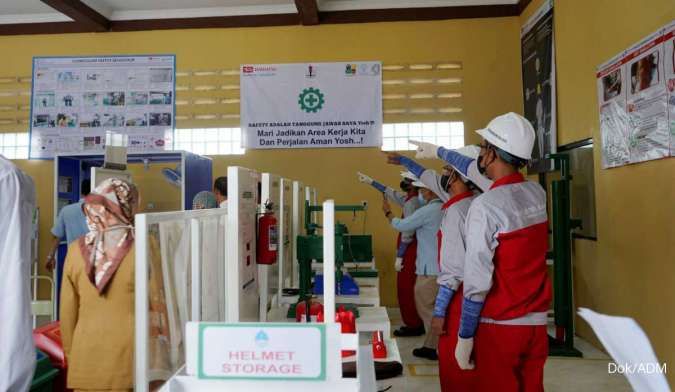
column 204, row 200
column 110, row 210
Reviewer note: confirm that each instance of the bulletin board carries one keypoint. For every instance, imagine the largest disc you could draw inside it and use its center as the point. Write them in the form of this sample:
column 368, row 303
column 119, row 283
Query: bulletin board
column 75, row 100
column 636, row 95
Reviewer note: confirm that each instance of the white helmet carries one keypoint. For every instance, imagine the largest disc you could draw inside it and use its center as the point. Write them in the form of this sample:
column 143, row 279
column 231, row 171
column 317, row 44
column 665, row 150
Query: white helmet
column 419, row 184
column 512, row 133
column 409, row 176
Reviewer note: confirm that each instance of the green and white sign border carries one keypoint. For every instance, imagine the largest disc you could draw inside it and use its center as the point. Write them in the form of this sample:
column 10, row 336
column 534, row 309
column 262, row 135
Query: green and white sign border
column 200, row 352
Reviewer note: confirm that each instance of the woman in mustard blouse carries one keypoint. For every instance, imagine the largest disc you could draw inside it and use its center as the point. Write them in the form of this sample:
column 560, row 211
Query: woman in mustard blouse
column 97, row 295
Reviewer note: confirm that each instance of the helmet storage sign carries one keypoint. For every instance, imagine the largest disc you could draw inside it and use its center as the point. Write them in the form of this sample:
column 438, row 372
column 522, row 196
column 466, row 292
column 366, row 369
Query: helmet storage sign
column 312, row 105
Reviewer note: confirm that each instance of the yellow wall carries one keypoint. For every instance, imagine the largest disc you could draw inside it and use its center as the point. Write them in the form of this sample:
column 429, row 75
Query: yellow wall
column 488, row 49
column 629, row 271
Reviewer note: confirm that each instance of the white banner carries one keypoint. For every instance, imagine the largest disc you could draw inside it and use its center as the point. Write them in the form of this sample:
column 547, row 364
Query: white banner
column 311, row 105
column 75, row 100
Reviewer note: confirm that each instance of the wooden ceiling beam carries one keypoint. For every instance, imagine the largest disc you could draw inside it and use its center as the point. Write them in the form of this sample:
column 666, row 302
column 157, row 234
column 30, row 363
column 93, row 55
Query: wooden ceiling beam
column 308, row 10
column 81, row 13
column 42, row 28
column 418, row 14
column 522, row 4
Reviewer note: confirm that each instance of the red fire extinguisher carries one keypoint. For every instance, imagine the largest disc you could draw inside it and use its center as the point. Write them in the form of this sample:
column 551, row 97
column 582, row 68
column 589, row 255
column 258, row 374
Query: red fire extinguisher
column 268, row 236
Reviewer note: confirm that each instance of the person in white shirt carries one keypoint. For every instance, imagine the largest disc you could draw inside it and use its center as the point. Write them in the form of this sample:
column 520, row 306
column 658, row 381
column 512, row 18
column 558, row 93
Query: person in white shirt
column 17, row 351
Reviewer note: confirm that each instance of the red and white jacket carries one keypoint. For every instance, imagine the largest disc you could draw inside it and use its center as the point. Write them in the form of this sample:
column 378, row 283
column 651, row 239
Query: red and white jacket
column 507, row 241
column 451, row 240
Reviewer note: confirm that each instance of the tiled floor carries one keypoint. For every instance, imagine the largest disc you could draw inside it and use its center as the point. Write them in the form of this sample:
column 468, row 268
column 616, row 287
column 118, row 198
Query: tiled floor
column 560, row 374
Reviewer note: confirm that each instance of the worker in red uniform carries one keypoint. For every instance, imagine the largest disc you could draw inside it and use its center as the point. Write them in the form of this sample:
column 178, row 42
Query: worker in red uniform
column 455, row 189
column 406, row 255
column 507, row 291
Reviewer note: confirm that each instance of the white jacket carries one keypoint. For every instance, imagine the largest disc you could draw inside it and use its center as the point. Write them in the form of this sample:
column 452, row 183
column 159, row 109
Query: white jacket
column 17, row 351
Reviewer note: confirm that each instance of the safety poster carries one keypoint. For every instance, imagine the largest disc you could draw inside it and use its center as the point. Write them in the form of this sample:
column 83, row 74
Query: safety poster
column 75, row 100
column 313, row 105
column 636, row 95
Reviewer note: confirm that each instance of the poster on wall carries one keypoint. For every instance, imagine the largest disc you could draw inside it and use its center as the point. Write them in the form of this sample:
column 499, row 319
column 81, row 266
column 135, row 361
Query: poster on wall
column 635, row 95
column 669, row 65
column 538, row 67
column 317, row 105
column 75, row 100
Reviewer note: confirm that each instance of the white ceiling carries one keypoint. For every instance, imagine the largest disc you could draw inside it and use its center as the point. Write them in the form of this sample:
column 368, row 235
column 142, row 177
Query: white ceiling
column 34, row 11
column 28, row 11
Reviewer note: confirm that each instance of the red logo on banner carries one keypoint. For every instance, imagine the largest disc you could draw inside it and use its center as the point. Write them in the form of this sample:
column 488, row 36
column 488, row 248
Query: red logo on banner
column 247, row 69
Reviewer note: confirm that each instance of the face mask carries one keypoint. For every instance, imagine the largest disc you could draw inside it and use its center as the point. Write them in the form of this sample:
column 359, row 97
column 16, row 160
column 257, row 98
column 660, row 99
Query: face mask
column 421, row 199
column 481, row 169
column 445, row 180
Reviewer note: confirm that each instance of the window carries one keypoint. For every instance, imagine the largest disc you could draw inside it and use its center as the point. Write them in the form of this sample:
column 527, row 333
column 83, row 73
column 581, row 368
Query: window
column 447, row 134
column 14, row 145
column 209, row 141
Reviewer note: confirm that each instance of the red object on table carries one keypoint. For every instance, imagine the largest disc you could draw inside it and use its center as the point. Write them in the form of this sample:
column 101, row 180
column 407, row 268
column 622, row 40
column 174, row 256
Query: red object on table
column 379, row 348
column 315, row 308
column 47, row 339
column 347, row 321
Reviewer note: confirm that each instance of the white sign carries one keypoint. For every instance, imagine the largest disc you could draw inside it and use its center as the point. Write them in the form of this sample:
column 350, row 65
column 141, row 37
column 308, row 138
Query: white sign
column 312, row 105
column 75, row 100
column 265, row 351
column 635, row 90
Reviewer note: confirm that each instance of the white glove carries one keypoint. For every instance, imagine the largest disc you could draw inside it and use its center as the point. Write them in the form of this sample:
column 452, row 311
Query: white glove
column 364, row 178
column 425, row 150
column 398, row 264
column 463, row 353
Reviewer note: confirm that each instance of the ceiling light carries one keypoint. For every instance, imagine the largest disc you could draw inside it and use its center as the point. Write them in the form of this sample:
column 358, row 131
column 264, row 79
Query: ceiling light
column 394, row 111
column 393, row 81
column 229, row 87
column 393, row 96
